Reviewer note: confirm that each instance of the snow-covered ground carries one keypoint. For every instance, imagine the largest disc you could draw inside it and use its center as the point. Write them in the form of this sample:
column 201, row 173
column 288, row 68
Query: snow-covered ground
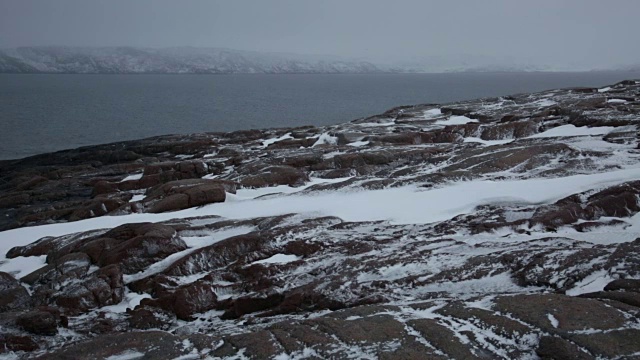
column 405, row 205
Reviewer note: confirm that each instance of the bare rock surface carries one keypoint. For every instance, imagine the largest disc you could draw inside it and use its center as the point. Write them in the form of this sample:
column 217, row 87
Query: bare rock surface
column 494, row 228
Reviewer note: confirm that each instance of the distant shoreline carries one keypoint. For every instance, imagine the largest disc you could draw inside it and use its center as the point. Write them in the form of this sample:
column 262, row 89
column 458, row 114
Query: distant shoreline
column 328, row 73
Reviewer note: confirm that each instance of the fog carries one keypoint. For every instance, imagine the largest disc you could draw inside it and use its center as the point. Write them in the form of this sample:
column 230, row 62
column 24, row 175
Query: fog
column 567, row 33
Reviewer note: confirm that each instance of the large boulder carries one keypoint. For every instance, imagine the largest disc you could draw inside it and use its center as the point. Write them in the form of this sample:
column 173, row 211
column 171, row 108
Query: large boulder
column 133, row 246
column 96, row 207
column 103, row 287
column 68, row 267
column 557, row 348
column 183, row 194
column 13, row 343
column 39, row 322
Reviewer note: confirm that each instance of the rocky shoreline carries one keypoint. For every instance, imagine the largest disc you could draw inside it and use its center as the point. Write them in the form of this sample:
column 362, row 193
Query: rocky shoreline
column 494, row 228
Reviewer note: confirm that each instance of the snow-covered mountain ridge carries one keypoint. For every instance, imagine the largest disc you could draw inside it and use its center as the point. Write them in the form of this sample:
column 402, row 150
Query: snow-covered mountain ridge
column 130, row 60
column 504, row 228
column 192, row 60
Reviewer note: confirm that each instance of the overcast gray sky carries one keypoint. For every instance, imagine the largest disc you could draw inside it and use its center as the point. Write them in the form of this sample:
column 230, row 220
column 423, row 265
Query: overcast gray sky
column 598, row 32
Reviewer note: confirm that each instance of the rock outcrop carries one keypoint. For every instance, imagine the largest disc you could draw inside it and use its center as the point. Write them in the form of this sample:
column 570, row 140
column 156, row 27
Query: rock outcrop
column 495, row 228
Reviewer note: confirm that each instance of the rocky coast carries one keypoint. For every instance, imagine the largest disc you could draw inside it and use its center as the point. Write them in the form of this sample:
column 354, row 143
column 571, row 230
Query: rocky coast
column 494, row 228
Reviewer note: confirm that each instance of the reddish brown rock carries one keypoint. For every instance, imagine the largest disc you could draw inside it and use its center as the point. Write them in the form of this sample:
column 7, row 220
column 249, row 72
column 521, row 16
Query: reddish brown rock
column 624, row 284
column 13, row 343
column 178, row 195
column 39, row 322
column 171, row 203
column 557, row 348
column 145, row 318
column 248, row 305
column 103, row 287
column 96, row 207
column 133, row 246
column 185, row 301
column 276, row 175
column 70, row 266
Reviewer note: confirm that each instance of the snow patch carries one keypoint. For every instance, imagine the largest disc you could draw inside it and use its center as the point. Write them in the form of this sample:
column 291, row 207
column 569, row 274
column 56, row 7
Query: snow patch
column 126, row 355
column 268, row 142
column 572, row 130
column 495, row 284
column 138, row 197
column 487, row 142
column 277, row 259
column 402, row 205
column 432, row 113
column 325, row 138
column 22, row 266
column 456, row 120
column 358, row 143
column 545, row 102
column 596, row 281
column 132, row 177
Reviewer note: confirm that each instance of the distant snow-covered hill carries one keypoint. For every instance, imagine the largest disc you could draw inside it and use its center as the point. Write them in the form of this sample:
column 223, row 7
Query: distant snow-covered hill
column 185, row 60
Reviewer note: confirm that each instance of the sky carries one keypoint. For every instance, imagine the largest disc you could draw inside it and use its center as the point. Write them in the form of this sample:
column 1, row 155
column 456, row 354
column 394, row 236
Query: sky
column 578, row 32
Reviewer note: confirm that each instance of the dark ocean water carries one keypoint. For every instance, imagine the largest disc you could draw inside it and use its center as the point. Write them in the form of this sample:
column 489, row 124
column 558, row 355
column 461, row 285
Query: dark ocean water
column 43, row 113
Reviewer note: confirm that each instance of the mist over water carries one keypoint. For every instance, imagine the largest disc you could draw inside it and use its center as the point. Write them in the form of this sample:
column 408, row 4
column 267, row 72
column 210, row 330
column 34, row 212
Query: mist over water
column 44, row 113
